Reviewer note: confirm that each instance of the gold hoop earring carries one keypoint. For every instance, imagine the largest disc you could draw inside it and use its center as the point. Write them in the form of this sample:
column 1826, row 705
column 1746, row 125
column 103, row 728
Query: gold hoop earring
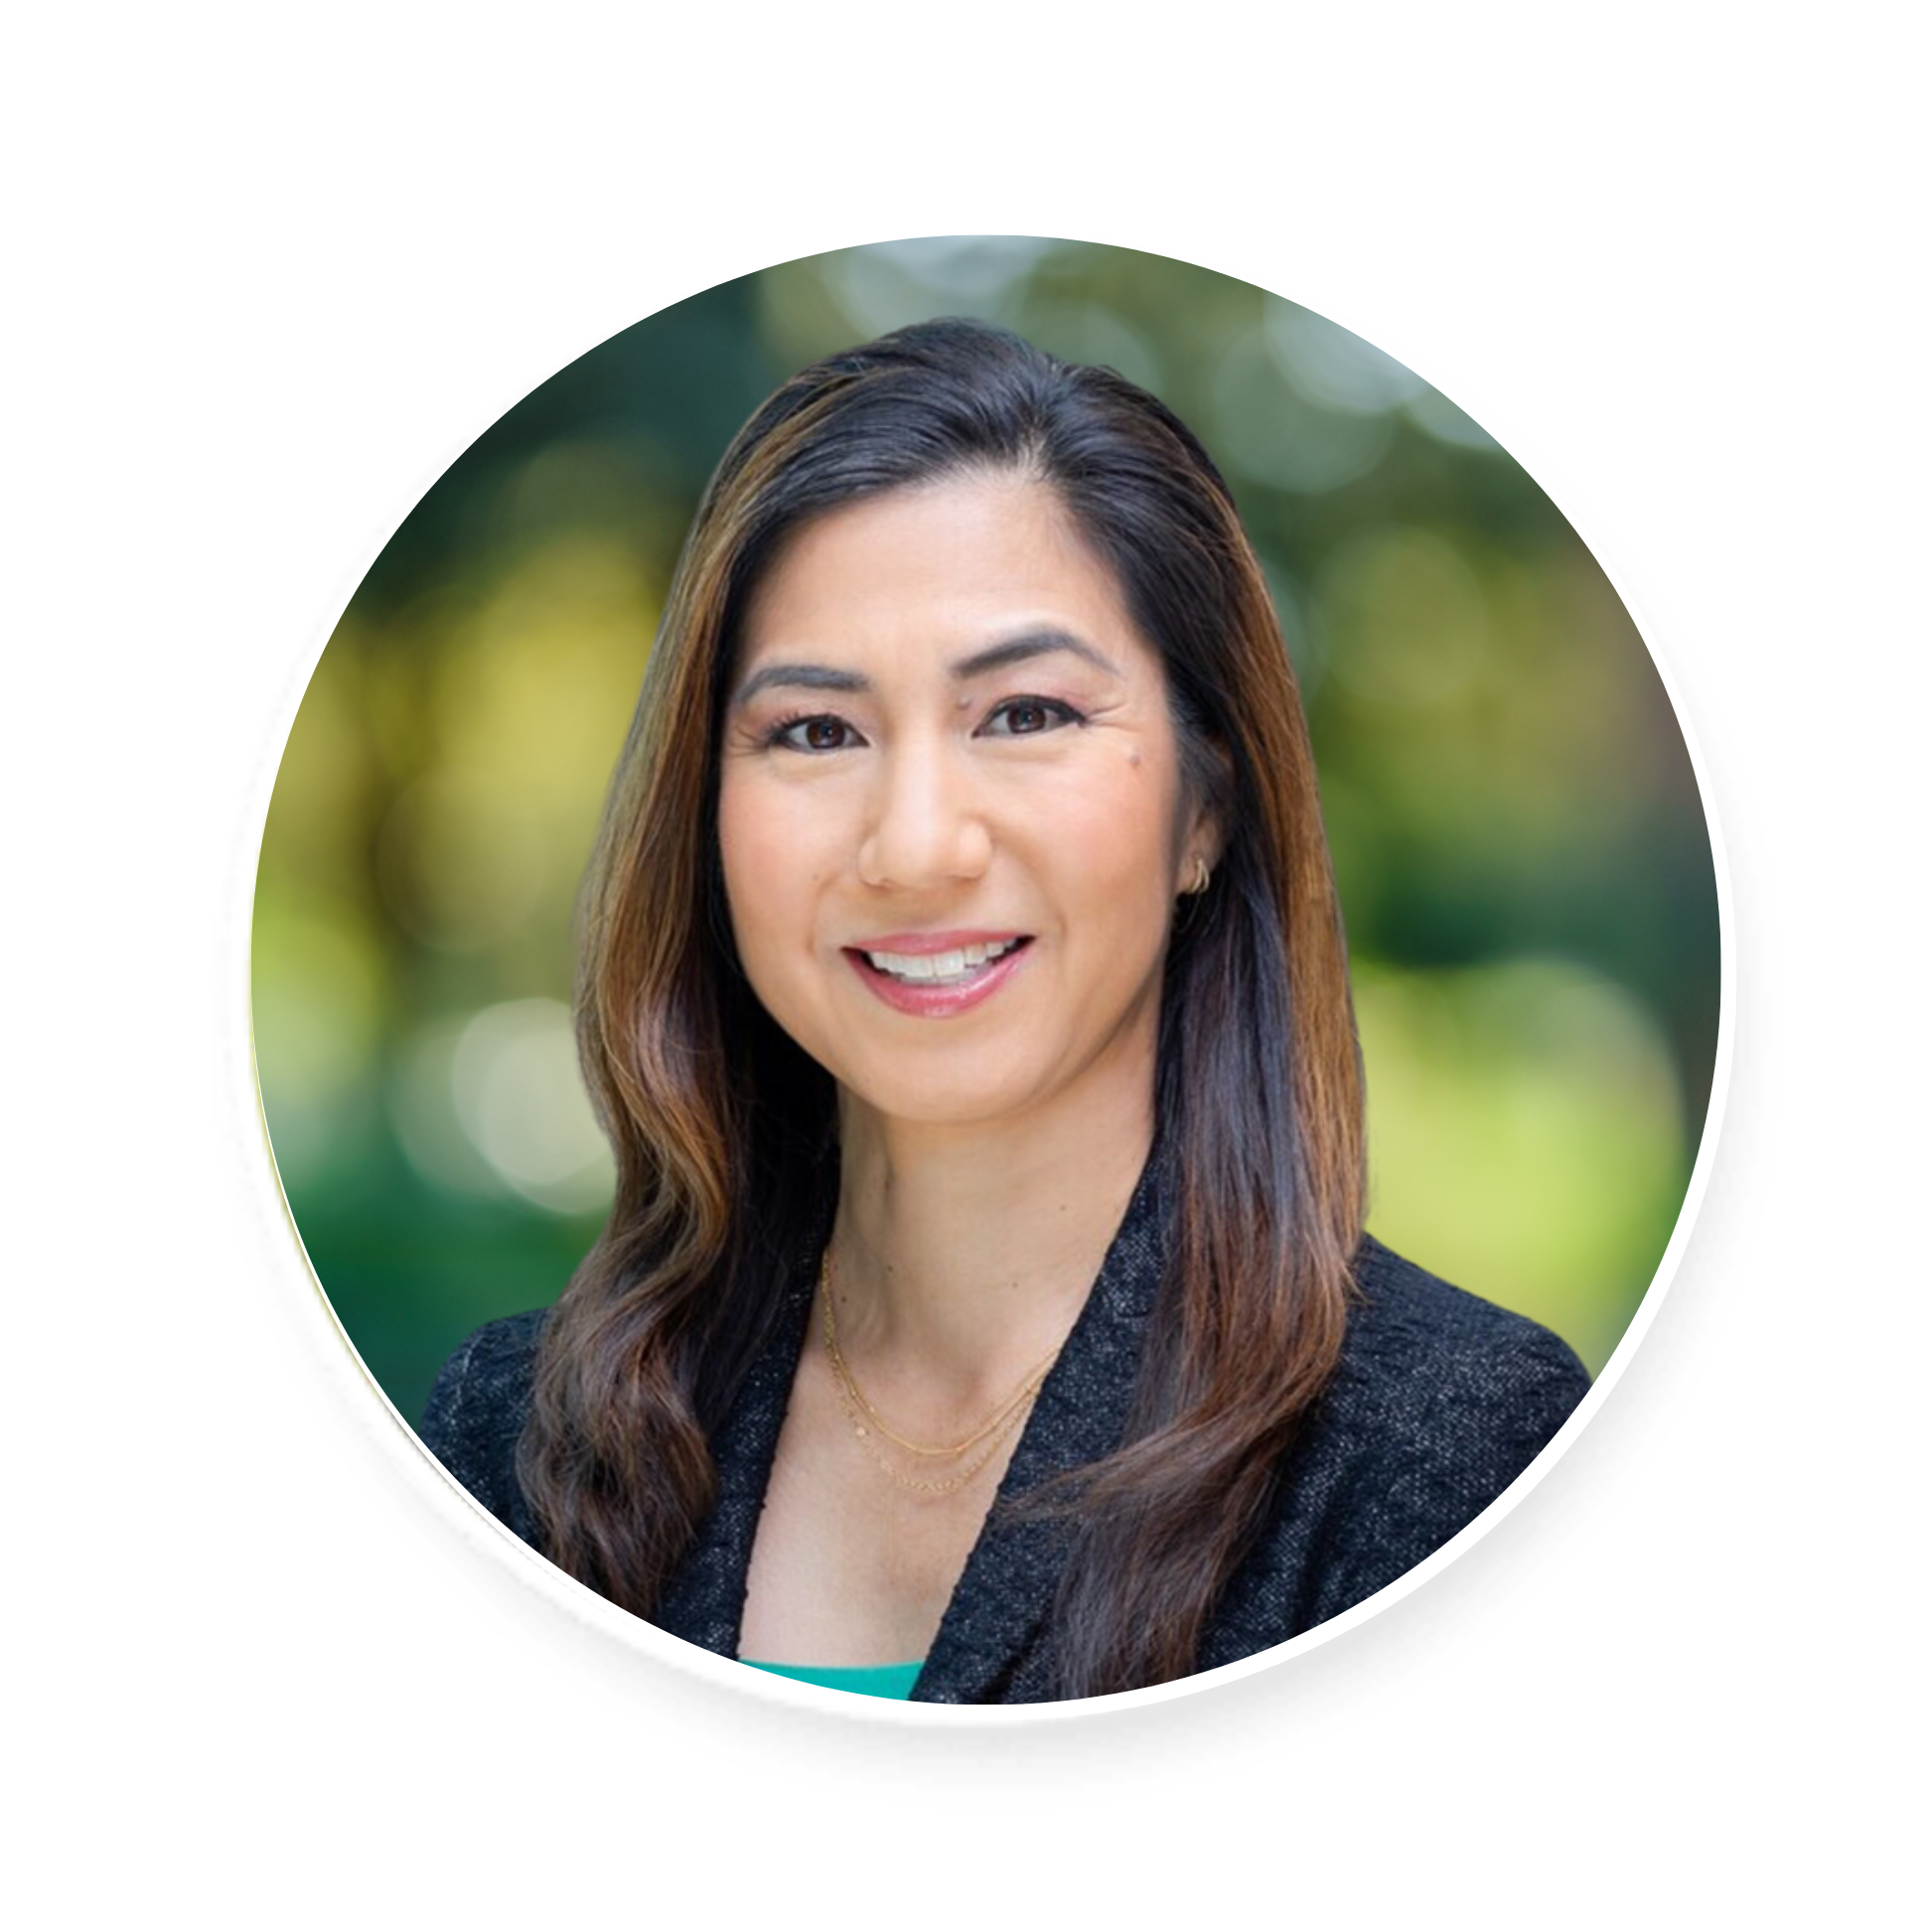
column 1202, row 873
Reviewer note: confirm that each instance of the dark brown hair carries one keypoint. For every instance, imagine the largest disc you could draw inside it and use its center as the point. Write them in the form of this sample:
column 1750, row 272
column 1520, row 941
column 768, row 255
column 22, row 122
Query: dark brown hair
column 720, row 1124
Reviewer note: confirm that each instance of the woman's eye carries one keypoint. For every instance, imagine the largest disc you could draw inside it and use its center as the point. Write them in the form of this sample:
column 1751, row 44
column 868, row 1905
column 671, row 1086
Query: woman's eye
column 1022, row 716
column 814, row 734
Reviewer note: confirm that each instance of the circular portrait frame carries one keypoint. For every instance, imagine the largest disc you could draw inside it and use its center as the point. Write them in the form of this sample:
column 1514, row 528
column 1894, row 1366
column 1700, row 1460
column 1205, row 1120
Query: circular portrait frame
column 1358, row 392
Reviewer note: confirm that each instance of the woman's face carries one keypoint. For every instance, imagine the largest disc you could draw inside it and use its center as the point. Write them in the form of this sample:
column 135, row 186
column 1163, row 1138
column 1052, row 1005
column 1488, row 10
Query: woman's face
column 951, row 806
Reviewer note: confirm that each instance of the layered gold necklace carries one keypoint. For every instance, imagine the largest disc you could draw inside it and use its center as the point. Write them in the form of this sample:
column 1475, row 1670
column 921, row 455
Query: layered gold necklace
column 867, row 1424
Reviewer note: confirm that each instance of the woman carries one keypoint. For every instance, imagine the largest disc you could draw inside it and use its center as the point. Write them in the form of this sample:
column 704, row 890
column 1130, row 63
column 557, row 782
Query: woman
column 985, row 1313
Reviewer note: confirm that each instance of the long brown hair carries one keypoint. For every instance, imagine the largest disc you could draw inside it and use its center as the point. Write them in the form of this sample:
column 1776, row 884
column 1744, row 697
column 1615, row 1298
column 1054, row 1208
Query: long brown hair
column 720, row 1124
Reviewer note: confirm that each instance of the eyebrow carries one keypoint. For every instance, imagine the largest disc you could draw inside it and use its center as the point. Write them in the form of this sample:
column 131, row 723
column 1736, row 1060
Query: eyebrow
column 810, row 678
column 1031, row 644
column 994, row 657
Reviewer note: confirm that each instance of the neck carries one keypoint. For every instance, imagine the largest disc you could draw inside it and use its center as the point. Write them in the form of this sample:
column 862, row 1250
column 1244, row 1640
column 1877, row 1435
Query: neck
column 965, row 1253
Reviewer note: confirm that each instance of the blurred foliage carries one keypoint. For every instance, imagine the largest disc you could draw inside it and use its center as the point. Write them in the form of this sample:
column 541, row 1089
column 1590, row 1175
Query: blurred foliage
column 1521, row 848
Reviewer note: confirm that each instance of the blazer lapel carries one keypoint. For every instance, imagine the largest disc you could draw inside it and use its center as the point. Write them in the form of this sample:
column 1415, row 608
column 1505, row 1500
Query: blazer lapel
column 703, row 1603
column 991, row 1643
column 989, row 1646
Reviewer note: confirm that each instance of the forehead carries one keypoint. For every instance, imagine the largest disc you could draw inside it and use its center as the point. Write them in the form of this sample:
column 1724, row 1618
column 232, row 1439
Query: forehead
column 946, row 564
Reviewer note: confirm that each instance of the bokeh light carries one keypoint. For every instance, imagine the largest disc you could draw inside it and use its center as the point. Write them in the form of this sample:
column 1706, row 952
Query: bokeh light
column 1516, row 830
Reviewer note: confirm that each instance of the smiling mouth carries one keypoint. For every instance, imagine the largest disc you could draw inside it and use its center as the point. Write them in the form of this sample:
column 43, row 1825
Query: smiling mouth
column 951, row 968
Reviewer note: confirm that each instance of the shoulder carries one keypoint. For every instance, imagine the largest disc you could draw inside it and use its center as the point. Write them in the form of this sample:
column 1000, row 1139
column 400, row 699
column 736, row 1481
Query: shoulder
column 1443, row 1395
column 1439, row 1401
column 1429, row 1367
column 476, row 1409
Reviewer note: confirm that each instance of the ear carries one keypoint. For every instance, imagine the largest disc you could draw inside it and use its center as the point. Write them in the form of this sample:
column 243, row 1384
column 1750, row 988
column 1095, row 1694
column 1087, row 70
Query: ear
column 1200, row 850
column 1204, row 837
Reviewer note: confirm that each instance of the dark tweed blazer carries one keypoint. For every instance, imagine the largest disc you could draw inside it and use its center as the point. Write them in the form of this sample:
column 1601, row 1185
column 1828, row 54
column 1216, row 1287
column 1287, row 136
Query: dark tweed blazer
column 1441, row 1400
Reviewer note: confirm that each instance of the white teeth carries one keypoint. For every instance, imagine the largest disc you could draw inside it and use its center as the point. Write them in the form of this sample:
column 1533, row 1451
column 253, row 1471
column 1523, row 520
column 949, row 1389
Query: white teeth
column 934, row 966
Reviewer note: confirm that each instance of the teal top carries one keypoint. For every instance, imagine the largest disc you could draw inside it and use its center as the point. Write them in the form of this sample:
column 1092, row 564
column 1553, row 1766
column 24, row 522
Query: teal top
column 862, row 1680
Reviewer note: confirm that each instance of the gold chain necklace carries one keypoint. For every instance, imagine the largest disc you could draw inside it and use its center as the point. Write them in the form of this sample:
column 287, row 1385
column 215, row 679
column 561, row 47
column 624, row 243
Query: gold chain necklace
column 921, row 1485
column 865, row 1419
column 849, row 1382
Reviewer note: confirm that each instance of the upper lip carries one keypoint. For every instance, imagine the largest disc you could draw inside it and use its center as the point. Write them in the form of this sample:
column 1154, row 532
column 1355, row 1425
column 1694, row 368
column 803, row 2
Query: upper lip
column 916, row 945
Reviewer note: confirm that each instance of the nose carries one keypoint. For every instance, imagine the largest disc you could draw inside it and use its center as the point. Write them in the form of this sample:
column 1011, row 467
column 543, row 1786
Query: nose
column 924, row 824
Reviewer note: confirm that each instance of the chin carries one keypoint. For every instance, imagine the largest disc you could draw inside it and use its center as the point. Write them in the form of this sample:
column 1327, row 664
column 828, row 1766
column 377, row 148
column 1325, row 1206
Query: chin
column 936, row 1102
column 936, row 1110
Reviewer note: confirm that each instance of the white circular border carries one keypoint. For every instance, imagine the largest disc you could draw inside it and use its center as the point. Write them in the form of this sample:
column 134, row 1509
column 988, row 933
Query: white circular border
column 388, row 1429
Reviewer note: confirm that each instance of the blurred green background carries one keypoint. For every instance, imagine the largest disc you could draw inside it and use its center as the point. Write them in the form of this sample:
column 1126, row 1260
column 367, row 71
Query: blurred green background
column 1523, row 860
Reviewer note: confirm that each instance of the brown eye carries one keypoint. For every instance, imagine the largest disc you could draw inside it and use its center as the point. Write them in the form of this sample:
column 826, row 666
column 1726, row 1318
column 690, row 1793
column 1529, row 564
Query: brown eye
column 814, row 734
column 1024, row 717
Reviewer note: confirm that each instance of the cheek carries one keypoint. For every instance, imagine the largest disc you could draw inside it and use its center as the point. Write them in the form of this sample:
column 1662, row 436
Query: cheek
column 753, row 865
column 772, row 864
column 1121, row 839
